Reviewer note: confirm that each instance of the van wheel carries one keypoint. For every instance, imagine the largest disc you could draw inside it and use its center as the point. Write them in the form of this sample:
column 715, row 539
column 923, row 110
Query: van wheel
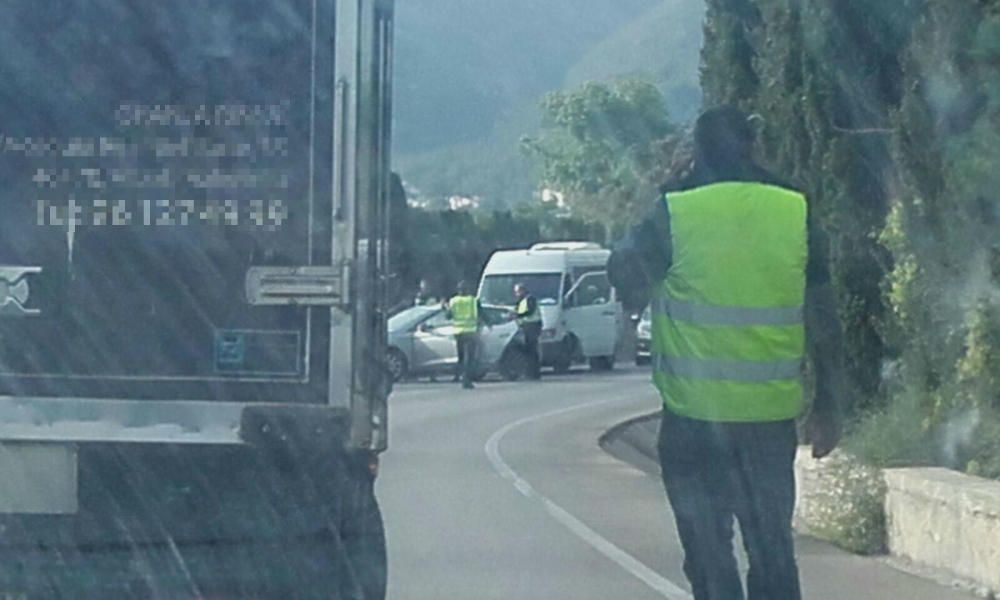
column 602, row 363
column 564, row 360
column 513, row 365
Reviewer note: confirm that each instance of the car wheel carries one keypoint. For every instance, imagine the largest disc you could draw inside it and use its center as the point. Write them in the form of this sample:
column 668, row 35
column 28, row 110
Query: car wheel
column 513, row 365
column 602, row 363
column 396, row 363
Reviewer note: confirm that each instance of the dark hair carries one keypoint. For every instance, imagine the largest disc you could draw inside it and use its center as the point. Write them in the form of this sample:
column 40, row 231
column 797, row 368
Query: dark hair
column 723, row 137
column 462, row 287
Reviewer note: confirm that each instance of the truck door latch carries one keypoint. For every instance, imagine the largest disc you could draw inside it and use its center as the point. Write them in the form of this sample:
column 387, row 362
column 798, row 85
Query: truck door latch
column 309, row 285
column 14, row 291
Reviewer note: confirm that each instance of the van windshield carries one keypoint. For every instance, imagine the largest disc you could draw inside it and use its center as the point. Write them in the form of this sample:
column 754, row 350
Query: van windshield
column 499, row 289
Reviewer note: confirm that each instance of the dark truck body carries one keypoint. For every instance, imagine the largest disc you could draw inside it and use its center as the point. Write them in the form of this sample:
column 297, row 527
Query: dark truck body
column 192, row 263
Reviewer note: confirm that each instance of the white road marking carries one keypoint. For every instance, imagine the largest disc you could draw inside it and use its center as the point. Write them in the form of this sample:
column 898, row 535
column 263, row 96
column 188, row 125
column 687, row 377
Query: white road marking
column 623, row 559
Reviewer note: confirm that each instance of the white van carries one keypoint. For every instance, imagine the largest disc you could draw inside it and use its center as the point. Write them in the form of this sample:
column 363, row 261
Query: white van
column 580, row 317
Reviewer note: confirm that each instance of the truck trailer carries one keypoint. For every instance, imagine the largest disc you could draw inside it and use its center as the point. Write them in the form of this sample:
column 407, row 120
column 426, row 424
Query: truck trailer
column 193, row 267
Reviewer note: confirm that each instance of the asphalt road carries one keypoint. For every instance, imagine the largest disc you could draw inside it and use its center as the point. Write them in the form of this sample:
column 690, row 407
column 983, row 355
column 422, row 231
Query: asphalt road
column 504, row 493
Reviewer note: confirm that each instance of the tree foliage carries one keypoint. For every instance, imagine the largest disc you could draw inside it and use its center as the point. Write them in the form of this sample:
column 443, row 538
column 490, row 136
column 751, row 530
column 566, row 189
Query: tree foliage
column 605, row 148
column 887, row 113
column 445, row 247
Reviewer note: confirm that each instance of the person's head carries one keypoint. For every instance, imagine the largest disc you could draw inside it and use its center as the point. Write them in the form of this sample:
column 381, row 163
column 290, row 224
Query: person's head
column 724, row 138
column 520, row 291
column 463, row 288
column 424, row 286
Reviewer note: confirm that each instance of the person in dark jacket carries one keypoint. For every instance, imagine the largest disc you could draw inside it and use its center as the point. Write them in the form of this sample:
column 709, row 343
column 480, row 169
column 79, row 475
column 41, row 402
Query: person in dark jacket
column 529, row 320
column 424, row 296
column 739, row 287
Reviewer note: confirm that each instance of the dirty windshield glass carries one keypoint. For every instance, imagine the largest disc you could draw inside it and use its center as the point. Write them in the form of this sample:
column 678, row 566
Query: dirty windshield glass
column 260, row 339
column 499, row 289
column 410, row 317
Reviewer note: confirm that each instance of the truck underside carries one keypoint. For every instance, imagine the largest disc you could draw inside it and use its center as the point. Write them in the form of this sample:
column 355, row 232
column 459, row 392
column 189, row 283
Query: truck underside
column 289, row 514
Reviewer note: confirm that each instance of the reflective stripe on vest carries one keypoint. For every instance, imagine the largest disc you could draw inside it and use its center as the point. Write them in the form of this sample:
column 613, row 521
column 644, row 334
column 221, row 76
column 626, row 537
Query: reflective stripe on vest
column 523, row 317
column 465, row 314
column 728, row 333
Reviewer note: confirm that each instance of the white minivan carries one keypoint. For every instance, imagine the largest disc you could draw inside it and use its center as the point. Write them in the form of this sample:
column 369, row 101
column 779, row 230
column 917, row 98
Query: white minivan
column 581, row 319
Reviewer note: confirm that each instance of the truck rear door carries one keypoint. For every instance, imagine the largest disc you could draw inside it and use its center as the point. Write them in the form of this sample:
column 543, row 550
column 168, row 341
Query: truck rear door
column 174, row 175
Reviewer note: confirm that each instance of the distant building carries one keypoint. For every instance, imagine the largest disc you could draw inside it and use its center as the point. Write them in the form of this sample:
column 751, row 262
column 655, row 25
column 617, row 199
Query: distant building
column 464, row 202
column 552, row 196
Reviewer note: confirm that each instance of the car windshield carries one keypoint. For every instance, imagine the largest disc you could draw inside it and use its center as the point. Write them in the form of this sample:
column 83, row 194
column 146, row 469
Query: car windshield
column 410, row 317
column 499, row 289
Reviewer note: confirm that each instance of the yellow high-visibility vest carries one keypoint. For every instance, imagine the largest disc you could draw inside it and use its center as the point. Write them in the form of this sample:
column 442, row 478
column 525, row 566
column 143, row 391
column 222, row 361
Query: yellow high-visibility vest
column 465, row 314
column 523, row 317
column 728, row 329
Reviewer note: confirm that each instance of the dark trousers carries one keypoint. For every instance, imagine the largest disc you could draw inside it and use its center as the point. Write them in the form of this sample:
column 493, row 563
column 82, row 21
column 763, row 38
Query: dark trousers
column 468, row 345
column 714, row 472
column 532, row 331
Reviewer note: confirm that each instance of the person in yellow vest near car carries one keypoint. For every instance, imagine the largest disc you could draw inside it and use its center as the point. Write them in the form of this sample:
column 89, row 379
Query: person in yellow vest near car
column 529, row 320
column 466, row 313
column 734, row 273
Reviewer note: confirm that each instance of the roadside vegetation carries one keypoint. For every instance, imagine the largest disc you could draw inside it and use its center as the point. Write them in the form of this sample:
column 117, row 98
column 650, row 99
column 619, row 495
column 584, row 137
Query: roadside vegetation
column 887, row 114
column 449, row 246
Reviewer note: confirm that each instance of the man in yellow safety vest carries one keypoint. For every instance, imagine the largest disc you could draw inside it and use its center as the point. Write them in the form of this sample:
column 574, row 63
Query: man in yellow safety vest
column 734, row 273
column 466, row 313
column 529, row 320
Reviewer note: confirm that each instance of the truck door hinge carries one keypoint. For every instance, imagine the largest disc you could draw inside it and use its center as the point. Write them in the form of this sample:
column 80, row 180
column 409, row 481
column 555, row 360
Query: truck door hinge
column 14, row 291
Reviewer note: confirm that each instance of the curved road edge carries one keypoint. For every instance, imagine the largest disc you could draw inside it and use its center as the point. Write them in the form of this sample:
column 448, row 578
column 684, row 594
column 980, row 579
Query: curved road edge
column 633, row 441
column 623, row 559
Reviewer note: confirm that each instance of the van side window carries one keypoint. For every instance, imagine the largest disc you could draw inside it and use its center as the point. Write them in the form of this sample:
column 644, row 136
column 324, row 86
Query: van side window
column 595, row 290
column 592, row 289
column 579, row 272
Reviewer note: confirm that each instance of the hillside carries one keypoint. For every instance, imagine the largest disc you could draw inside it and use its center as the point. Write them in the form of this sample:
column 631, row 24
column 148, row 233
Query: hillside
column 464, row 99
column 662, row 46
column 461, row 66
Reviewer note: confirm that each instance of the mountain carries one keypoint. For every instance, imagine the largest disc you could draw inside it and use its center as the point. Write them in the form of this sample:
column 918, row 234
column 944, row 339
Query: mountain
column 461, row 65
column 662, row 45
column 470, row 74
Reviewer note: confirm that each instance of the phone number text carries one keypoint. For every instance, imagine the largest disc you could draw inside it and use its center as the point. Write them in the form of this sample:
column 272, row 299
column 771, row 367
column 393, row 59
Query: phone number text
column 164, row 212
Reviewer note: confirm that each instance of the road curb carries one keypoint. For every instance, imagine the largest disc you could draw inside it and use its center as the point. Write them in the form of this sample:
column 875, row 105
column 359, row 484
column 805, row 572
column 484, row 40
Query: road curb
column 634, row 441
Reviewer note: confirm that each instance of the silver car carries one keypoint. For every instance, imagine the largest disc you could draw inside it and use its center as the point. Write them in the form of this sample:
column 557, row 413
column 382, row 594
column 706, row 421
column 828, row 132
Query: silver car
column 422, row 342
